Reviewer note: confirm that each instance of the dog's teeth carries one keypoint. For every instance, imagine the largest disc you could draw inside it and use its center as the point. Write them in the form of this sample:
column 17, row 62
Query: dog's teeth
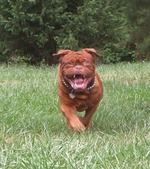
column 74, row 76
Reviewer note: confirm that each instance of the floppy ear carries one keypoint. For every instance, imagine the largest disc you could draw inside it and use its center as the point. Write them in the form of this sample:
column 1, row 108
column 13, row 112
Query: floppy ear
column 91, row 51
column 61, row 53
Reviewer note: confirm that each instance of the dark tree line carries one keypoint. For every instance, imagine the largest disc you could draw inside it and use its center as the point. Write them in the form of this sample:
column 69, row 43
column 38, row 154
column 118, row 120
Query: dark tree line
column 139, row 27
column 33, row 30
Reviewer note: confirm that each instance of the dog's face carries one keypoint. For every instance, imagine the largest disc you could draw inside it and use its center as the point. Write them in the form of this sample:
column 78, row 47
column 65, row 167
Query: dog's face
column 77, row 68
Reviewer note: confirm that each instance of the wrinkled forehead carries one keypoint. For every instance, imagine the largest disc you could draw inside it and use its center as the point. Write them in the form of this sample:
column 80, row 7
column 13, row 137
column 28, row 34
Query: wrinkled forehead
column 77, row 57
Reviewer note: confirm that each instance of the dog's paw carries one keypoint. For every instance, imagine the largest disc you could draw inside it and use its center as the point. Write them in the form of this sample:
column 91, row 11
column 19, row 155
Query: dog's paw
column 86, row 123
column 76, row 125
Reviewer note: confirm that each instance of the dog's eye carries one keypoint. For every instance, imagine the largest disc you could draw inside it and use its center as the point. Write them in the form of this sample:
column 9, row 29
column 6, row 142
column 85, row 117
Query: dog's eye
column 86, row 63
column 69, row 63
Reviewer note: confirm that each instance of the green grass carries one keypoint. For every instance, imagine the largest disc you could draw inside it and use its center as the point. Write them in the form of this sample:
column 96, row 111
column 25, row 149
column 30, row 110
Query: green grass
column 33, row 132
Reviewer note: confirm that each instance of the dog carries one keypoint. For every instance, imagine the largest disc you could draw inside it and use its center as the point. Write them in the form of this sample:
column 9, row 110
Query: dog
column 79, row 86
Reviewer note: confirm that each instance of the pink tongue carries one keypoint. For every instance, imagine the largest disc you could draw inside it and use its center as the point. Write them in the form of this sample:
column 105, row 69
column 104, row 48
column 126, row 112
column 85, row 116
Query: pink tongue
column 78, row 81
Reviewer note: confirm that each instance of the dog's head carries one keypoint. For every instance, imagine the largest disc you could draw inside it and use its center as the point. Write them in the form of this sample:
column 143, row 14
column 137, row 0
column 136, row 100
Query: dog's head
column 77, row 68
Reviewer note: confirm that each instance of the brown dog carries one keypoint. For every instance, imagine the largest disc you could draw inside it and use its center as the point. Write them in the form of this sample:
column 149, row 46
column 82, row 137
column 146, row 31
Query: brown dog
column 79, row 86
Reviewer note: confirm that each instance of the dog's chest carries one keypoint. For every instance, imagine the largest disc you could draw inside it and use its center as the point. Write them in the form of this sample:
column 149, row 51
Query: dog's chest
column 82, row 101
column 81, row 106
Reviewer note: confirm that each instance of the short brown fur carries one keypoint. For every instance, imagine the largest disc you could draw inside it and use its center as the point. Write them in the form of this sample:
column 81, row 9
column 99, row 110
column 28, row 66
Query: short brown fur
column 85, row 99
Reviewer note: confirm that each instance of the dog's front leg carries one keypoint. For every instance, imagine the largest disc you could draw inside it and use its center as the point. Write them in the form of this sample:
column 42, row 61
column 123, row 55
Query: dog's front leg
column 87, row 119
column 73, row 121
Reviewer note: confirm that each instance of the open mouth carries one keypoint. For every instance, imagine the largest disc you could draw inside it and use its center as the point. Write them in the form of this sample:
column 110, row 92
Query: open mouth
column 78, row 81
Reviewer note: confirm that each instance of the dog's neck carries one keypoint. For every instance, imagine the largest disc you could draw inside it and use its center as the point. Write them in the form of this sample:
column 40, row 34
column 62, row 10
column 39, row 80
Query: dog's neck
column 73, row 91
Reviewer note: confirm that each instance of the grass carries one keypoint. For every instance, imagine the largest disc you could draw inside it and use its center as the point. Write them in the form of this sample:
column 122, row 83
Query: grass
column 33, row 133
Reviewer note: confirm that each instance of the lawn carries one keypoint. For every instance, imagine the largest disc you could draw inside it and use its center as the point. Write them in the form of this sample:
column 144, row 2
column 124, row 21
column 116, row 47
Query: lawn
column 33, row 132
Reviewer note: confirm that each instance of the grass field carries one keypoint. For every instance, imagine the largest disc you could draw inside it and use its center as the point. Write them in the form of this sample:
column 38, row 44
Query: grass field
column 33, row 132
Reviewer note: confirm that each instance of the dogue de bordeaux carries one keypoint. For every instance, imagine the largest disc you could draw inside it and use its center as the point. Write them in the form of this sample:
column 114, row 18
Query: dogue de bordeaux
column 79, row 86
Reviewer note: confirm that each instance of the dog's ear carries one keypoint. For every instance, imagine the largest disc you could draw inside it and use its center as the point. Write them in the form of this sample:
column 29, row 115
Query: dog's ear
column 61, row 53
column 91, row 51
